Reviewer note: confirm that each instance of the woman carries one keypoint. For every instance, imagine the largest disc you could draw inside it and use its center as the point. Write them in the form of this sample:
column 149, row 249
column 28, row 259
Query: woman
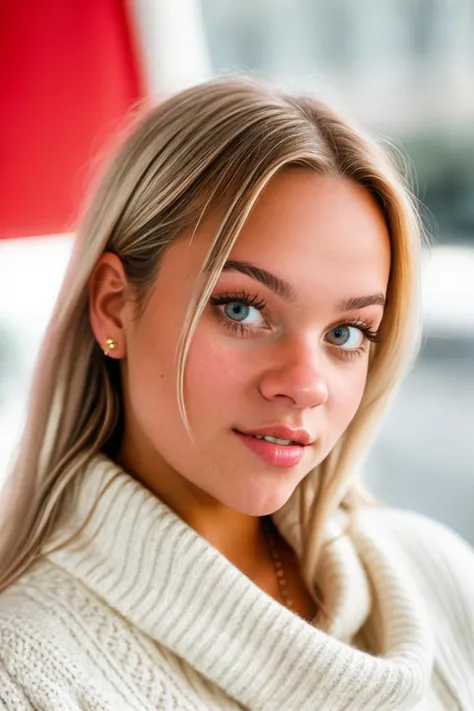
column 185, row 526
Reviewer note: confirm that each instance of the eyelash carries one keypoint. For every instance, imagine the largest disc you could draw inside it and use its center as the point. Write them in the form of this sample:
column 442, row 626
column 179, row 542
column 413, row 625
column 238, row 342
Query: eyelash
column 242, row 297
column 369, row 334
column 244, row 330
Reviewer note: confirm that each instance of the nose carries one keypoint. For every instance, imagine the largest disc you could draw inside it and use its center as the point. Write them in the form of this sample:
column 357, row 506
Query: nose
column 299, row 380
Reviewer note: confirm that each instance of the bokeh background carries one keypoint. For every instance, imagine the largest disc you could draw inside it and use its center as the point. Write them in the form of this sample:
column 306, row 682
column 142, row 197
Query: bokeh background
column 404, row 68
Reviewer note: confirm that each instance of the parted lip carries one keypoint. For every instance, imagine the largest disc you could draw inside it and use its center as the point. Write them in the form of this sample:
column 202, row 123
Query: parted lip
column 298, row 435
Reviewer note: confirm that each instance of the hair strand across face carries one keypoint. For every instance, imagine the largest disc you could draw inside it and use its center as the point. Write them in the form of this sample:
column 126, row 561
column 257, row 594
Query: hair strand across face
column 211, row 148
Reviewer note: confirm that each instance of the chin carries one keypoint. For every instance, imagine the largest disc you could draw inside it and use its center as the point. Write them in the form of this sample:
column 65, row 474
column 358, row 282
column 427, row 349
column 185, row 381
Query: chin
column 263, row 503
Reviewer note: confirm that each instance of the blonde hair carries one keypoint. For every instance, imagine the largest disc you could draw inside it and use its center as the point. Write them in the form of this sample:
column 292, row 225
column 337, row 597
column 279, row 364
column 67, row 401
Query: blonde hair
column 227, row 137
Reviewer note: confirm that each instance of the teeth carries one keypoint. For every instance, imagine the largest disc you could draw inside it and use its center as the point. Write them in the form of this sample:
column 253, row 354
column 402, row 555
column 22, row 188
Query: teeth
column 274, row 440
column 277, row 441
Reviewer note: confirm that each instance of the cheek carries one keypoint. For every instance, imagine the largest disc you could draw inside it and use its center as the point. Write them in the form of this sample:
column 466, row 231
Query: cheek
column 217, row 377
column 150, row 383
column 151, row 375
column 345, row 393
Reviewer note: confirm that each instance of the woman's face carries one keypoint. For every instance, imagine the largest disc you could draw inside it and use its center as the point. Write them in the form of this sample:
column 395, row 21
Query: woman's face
column 259, row 359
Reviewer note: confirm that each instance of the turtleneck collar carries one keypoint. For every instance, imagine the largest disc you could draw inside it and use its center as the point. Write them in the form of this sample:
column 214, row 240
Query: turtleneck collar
column 159, row 574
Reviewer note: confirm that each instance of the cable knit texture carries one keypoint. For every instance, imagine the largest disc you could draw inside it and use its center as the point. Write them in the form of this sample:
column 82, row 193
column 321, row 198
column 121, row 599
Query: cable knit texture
column 138, row 612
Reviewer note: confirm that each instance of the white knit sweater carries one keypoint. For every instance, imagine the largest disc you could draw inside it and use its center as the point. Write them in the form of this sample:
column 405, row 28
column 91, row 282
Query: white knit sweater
column 141, row 613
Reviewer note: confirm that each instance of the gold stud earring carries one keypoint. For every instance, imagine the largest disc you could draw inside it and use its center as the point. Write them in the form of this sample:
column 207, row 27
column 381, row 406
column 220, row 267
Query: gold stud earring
column 111, row 346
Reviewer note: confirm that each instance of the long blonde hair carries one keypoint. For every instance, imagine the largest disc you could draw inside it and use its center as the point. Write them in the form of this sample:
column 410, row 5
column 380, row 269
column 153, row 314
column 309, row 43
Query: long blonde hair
column 223, row 139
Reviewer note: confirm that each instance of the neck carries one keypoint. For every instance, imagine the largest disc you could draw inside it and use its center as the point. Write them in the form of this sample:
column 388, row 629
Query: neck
column 238, row 536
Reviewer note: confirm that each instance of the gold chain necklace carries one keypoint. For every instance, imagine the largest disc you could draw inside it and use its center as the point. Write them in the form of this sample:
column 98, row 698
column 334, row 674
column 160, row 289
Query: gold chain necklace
column 277, row 564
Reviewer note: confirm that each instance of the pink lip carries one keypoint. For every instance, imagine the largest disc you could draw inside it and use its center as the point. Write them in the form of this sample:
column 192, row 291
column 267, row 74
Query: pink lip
column 278, row 455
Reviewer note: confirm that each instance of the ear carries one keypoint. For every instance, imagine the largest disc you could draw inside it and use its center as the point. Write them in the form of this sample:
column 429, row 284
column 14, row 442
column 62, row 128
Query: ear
column 109, row 303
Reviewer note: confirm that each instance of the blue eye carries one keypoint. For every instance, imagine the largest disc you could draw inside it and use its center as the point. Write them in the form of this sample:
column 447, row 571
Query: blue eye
column 236, row 310
column 239, row 311
column 347, row 337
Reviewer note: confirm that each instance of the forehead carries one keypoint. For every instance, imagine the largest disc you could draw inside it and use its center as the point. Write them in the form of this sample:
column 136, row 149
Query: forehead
column 315, row 230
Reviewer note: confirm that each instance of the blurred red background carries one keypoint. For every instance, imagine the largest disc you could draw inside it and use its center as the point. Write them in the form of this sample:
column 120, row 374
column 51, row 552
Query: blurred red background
column 69, row 71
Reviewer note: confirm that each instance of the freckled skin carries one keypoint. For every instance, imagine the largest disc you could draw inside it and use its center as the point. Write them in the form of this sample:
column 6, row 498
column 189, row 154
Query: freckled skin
column 328, row 238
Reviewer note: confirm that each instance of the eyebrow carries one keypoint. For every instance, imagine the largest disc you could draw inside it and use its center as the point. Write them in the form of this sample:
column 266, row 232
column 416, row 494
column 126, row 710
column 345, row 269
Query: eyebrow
column 276, row 284
column 361, row 302
column 284, row 289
